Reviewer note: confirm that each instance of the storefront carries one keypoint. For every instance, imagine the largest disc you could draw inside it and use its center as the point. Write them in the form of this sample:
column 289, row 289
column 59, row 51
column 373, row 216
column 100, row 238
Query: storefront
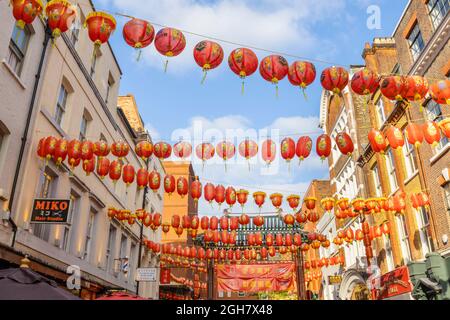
column 395, row 285
column 353, row 286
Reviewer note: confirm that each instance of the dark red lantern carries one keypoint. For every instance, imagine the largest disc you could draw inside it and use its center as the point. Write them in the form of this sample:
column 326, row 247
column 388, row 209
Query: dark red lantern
column 89, row 166
column 365, row 82
column 154, row 181
column 162, row 150
column 302, row 74
column 169, row 184
column 323, row 146
column 304, row 148
column 142, row 178
column 208, row 55
column 128, row 174
column 334, row 79
column 345, row 144
column 274, row 68
column 103, row 167
column 115, row 171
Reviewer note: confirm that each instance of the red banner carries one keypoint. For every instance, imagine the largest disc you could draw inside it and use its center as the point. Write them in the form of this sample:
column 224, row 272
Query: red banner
column 256, row 278
column 164, row 277
column 392, row 284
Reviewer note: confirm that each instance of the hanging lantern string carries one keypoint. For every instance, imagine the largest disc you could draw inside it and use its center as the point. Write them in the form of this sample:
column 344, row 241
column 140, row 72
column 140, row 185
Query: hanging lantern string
column 286, row 54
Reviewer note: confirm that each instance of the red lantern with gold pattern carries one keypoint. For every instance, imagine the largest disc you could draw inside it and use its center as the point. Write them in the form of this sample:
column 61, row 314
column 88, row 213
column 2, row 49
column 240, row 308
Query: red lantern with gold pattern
column 277, row 200
column 230, row 196
column 243, row 62
column 345, row 143
column 205, row 151
column 196, row 190
column 431, row 133
column 301, row 217
column 120, row 149
column 244, row 219
column 101, row 149
column 115, row 171
column 440, row 92
column 288, row 149
column 154, row 181
column 258, row 221
column 302, row 74
column 182, row 186
column 417, row 88
column 142, row 178
column 219, row 194
column 395, row 137
column 87, row 150
column 226, row 150
column 61, row 14
column 170, row 42
column 182, row 150
column 128, row 174
column 242, row 196
column 25, row 11
column 213, row 223
column 323, row 146
column 414, row 134
column 377, row 141
column 74, row 153
column 103, row 167
column 208, row 55
column 334, row 79
column 310, row 203
column 268, row 152
column 138, row 33
column 210, row 192
column 60, row 151
column 304, row 148
column 260, row 198
column 365, row 82
column 50, row 146
column 100, row 26
column 169, row 184
column 289, row 220
column 204, row 223
column 89, row 166
column 393, row 87
column 293, row 201
column 144, row 150
column 162, row 150
column 274, row 68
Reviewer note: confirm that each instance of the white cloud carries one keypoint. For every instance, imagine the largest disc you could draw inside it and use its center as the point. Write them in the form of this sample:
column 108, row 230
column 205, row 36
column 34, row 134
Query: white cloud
column 278, row 25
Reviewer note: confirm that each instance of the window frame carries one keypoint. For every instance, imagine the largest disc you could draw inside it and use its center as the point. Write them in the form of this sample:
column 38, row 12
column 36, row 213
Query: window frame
column 381, row 114
column 436, row 117
column 16, row 51
column 89, row 235
column 410, row 158
column 416, row 42
column 403, row 233
column 376, row 180
column 436, row 7
column 392, row 171
column 423, row 228
column 61, row 105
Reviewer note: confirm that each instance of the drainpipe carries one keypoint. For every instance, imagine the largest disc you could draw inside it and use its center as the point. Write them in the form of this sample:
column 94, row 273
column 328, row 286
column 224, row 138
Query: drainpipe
column 47, row 38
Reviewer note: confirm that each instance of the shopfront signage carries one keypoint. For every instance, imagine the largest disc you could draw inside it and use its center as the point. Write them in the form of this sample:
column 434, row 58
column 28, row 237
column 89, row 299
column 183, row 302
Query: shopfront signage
column 392, row 284
column 146, row 275
column 164, row 276
column 334, row 280
column 50, row 211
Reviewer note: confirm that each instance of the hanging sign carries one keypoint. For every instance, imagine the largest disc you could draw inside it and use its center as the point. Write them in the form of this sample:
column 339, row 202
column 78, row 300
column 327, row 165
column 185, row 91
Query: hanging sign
column 146, row 274
column 392, row 284
column 50, row 211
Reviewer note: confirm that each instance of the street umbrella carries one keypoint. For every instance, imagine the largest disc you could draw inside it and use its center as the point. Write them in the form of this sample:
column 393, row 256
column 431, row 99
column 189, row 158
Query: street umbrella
column 120, row 296
column 25, row 284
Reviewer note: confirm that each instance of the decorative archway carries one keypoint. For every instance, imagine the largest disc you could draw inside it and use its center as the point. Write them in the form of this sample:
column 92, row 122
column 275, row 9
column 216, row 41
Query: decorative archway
column 353, row 286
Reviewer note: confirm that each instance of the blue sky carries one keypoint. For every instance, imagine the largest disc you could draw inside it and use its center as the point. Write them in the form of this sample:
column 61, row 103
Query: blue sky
column 333, row 31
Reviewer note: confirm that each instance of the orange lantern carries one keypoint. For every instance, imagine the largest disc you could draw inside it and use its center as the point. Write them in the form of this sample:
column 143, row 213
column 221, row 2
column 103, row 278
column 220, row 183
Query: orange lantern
column 258, row 221
column 277, row 200
column 334, row 79
column 170, row 42
column 328, row 204
column 358, row 205
column 115, row 171
column 293, row 201
column 128, row 174
column 154, row 181
column 323, row 146
column 260, row 198
column 103, row 167
column 424, row 199
column 25, row 11
column 301, row 217
column 162, row 150
column 144, row 150
column 313, row 217
column 169, row 184
column 208, row 55
column 234, row 223
column 359, row 236
column 414, row 134
column 310, row 203
column 385, row 228
column 230, row 196
column 377, row 141
column 241, row 196
column 244, row 219
column 120, row 149
column 345, row 143
column 440, row 92
column 196, row 190
column 417, row 88
column 289, row 219
column 274, row 68
column 268, row 152
column 243, row 62
column 100, row 26
column 182, row 186
column 395, row 137
column 399, row 203
column 431, row 133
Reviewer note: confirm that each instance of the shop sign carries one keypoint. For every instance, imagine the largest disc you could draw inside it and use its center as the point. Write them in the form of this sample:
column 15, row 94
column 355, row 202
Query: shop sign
column 146, row 275
column 392, row 284
column 50, row 211
column 164, row 276
column 334, row 280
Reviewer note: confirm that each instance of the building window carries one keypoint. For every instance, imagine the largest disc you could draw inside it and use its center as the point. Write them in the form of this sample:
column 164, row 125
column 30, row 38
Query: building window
column 409, row 153
column 404, row 235
column 377, row 181
column 110, row 248
column 85, row 119
column 18, row 48
column 381, row 116
column 123, row 252
column 438, row 10
column 45, row 191
column 109, row 88
column 416, row 43
column 132, row 260
column 89, row 235
column 61, row 104
column 390, row 164
column 447, row 196
column 389, row 256
column 74, row 205
column 423, row 223
column 434, row 113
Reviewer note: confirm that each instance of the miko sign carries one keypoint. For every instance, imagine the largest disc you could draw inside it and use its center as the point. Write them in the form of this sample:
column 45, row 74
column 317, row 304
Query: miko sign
column 50, row 211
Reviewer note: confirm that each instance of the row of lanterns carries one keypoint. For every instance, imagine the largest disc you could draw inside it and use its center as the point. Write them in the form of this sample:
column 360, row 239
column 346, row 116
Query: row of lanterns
column 171, row 42
column 324, row 262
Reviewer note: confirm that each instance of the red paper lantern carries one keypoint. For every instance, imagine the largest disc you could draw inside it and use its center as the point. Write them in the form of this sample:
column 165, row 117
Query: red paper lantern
column 260, row 198
column 169, row 184
column 288, row 149
column 170, row 42
column 175, row 221
column 74, row 153
column 103, row 167
column 242, row 196
column 226, row 150
column 204, row 223
column 313, row 217
column 162, row 150
column 89, row 166
column 50, row 146
column 128, row 174
column 101, row 149
column 417, row 88
column 248, row 149
column 230, row 196
column 87, row 150
column 323, row 146
column 302, row 74
column 310, row 203
column 328, row 204
column 205, row 151
column 144, row 150
column 182, row 186
column 115, row 171
column 154, row 181
column 243, row 62
column 186, row 222
column 431, row 133
column 345, row 143
column 244, row 219
column 289, row 219
column 208, row 55
column 41, row 148
column 440, row 92
column 293, row 201
column 399, row 204
column 377, row 141
column 219, row 194
column 25, row 11
column 100, row 26
column 196, row 190
column 277, row 200
column 60, row 151
column 120, row 149
column 268, row 152
column 393, row 87
column 224, row 223
column 301, row 217
column 365, row 82
column 304, row 147
column 334, row 79
column 424, row 199
column 395, row 137
column 274, row 68
column 258, row 221
column 138, row 33
column 142, row 178
column 61, row 15
column 234, row 223
column 414, row 134
column 182, row 150
column 445, row 127
column 210, row 191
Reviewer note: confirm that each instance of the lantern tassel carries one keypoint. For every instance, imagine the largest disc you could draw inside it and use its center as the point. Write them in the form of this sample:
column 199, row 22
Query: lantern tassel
column 205, row 73
column 248, row 162
column 225, row 166
column 276, row 91
column 243, row 87
column 139, row 54
column 165, row 65
column 304, row 94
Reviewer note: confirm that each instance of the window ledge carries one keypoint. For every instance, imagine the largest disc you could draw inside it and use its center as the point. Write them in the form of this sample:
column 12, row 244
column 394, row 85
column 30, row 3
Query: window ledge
column 394, row 192
column 441, row 152
column 408, row 180
column 14, row 74
column 53, row 122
